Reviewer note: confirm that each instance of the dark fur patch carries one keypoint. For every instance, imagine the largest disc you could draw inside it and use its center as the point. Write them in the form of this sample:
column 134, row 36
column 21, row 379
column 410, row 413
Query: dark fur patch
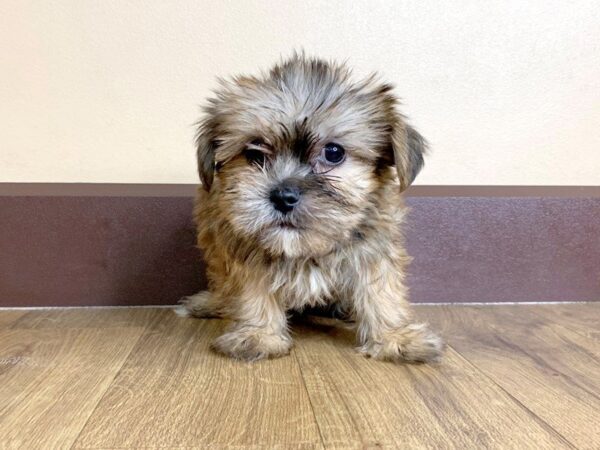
column 302, row 142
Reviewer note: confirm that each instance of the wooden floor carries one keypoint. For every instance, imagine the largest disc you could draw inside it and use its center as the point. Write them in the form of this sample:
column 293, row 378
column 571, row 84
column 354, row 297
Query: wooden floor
column 513, row 377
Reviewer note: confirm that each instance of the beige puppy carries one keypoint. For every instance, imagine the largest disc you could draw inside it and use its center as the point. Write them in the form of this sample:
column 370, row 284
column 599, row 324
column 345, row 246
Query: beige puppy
column 300, row 205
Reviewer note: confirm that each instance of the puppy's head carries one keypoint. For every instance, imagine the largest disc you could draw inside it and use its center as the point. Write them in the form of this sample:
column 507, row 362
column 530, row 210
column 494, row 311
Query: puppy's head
column 296, row 158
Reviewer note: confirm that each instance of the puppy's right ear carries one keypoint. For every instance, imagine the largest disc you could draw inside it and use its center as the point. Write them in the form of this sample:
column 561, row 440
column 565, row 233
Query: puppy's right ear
column 409, row 148
column 206, row 146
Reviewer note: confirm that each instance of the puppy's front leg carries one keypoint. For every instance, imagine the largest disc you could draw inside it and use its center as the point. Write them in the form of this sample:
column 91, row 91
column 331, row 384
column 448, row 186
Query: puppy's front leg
column 260, row 328
column 385, row 328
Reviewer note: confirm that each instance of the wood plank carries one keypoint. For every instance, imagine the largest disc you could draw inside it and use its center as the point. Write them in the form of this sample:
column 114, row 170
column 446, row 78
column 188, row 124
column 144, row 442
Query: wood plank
column 550, row 369
column 522, row 376
column 10, row 316
column 86, row 318
column 364, row 403
column 174, row 392
column 51, row 380
column 583, row 318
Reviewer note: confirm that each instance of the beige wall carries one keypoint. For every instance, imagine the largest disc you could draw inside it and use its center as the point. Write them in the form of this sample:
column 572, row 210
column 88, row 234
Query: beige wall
column 108, row 91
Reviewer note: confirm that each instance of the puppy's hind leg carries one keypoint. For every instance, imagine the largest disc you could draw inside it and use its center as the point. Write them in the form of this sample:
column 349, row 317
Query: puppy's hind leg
column 204, row 304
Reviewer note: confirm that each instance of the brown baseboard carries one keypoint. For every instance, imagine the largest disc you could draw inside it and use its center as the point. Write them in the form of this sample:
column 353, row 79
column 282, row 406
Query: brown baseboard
column 120, row 244
column 183, row 190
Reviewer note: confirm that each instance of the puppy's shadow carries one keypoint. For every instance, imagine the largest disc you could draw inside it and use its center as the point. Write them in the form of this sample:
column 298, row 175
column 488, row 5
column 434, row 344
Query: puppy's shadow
column 323, row 325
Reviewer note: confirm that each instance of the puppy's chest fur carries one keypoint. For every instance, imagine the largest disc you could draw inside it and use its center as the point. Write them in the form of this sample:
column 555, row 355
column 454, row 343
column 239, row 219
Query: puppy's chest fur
column 308, row 282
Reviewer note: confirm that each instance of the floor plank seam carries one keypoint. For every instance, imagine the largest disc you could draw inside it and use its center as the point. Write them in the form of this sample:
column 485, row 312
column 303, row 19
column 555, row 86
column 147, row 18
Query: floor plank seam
column 117, row 373
column 545, row 425
column 352, row 364
column 312, row 408
column 538, row 419
column 356, row 427
column 541, row 363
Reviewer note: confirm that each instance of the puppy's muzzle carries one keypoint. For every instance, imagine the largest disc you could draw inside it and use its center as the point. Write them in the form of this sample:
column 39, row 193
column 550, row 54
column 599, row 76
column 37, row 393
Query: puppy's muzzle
column 285, row 197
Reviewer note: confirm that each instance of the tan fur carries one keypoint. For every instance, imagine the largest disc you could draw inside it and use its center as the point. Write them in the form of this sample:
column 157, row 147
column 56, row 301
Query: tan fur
column 341, row 245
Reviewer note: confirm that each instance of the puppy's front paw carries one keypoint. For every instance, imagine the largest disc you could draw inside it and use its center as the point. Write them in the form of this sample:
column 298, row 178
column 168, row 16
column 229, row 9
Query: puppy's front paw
column 252, row 344
column 412, row 343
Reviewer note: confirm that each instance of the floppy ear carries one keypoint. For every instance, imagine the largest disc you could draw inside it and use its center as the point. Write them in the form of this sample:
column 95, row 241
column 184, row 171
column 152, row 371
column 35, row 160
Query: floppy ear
column 409, row 148
column 206, row 146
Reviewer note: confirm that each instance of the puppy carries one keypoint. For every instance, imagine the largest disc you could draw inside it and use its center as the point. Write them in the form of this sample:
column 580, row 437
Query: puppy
column 300, row 206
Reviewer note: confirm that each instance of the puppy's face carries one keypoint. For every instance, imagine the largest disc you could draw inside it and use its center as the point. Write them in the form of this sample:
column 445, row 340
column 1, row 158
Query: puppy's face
column 294, row 160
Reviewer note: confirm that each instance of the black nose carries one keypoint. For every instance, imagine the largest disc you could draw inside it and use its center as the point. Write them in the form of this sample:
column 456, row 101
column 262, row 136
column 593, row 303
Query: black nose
column 285, row 198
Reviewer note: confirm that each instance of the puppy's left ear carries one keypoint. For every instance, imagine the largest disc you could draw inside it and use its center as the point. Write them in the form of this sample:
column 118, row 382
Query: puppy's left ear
column 409, row 149
column 206, row 146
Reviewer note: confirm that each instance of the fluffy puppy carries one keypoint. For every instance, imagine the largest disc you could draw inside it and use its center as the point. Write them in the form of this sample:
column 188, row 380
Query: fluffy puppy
column 300, row 206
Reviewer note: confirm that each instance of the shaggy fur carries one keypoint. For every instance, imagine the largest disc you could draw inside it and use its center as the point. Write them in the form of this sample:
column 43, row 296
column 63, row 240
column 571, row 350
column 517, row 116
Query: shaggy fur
column 342, row 243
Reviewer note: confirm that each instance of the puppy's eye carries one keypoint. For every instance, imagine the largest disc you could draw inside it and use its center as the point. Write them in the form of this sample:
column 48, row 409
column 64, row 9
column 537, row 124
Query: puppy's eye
column 256, row 152
column 255, row 156
column 333, row 153
column 258, row 143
